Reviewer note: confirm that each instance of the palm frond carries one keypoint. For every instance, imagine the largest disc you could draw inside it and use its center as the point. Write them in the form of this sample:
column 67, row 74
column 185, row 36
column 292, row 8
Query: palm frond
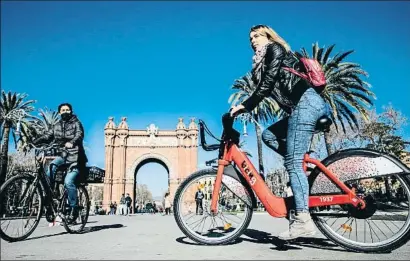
column 315, row 48
column 327, row 53
column 319, row 55
column 304, row 52
column 345, row 90
column 339, row 58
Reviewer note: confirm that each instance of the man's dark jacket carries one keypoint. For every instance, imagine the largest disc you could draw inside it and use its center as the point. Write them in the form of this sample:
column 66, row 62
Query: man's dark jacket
column 68, row 131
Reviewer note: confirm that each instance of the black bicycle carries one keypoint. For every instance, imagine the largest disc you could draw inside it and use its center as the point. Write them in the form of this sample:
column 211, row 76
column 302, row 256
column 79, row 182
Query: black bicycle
column 26, row 196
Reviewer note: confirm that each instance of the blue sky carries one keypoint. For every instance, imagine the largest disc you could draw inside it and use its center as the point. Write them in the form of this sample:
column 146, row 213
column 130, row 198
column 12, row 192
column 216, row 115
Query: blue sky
column 145, row 60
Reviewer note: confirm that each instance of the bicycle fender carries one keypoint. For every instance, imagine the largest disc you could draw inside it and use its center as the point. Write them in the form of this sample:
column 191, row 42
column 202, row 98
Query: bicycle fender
column 232, row 176
column 354, row 164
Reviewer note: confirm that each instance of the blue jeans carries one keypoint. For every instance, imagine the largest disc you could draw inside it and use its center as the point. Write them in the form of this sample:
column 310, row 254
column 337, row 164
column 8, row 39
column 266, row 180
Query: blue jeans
column 69, row 181
column 291, row 138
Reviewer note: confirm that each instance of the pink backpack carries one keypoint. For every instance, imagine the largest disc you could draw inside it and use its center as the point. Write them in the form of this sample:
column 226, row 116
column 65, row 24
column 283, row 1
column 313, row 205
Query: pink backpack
column 314, row 73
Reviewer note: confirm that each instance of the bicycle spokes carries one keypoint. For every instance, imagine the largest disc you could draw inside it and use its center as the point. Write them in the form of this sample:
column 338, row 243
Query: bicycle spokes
column 20, row 206
column 384, row 218
column 197, row 215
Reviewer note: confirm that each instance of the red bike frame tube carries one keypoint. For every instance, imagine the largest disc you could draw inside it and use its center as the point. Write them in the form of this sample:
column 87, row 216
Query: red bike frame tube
column 274, row 205
column 350, row 198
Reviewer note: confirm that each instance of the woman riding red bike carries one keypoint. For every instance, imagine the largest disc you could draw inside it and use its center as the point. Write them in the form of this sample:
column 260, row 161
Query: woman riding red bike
column 291, row 136
column 332, row 198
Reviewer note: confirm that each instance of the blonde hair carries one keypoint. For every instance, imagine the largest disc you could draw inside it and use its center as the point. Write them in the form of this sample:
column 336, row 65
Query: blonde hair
column 271, row 35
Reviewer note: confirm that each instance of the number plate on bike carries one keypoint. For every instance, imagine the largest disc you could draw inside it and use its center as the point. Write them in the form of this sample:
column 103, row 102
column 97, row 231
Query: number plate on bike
column 326, row 199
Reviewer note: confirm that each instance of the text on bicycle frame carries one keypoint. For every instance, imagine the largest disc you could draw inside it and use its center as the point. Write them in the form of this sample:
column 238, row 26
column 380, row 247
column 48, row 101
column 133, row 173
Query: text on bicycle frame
column 249, row 173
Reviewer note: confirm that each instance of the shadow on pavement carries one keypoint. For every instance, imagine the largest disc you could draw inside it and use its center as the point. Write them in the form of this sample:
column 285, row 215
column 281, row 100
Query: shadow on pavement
column 85, row 231
column 182, row 241
column 258, row 237
column 102, row 227
column 44, row 236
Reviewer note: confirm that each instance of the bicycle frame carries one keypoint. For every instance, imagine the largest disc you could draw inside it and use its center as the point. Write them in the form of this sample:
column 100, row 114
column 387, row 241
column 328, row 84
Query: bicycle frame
column 276, row 206
column 41, row 177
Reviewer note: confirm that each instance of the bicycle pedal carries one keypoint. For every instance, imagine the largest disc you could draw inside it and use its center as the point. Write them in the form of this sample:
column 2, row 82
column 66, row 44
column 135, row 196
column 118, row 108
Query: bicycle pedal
column 227, row 226
column 346, row 227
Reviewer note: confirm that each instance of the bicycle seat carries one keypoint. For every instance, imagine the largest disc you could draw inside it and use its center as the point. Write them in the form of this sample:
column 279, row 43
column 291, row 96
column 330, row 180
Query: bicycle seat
column 323, row 124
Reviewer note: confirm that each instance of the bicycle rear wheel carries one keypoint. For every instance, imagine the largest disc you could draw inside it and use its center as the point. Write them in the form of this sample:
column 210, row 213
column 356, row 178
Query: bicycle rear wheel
column 234, row 209
column 384, row 225
column 21, row 207
column 83, row 211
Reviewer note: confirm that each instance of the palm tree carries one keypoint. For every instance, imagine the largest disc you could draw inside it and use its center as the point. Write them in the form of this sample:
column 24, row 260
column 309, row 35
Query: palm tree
column 345, row 91
column 266, row 110
column 48, row 118
column 13, row 113
column 37, row 126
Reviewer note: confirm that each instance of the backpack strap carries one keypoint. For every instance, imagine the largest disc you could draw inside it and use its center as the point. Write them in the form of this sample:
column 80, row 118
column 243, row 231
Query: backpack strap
column 302, row 75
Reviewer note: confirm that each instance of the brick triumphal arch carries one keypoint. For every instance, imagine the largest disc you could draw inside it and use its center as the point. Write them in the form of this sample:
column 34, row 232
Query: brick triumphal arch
column 126, row 151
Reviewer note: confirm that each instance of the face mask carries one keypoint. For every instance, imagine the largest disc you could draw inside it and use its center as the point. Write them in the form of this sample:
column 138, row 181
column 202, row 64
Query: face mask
column 65, row 116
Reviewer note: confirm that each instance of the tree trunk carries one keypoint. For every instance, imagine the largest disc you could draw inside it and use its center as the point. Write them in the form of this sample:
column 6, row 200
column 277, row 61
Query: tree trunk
column 328, row 143
column 4, row 154
column 388, row 188
column 259, row 142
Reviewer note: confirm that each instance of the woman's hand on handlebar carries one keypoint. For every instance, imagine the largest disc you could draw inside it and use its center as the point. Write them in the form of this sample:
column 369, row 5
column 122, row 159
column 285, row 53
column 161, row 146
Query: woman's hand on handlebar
column 235, row 110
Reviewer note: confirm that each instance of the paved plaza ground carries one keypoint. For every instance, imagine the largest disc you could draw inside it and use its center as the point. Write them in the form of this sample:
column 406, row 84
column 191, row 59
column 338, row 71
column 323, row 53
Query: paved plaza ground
column 158, row 237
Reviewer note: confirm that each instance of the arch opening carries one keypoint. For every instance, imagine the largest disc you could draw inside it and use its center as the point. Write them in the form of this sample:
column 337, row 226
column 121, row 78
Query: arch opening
column 151, row 181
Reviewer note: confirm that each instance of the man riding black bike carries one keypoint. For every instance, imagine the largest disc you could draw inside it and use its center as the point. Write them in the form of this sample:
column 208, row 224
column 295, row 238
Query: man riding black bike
column 69, row 134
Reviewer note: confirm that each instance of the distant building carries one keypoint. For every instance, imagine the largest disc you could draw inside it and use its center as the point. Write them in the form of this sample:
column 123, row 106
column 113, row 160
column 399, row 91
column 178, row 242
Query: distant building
column 405, row 158
column 127, row 150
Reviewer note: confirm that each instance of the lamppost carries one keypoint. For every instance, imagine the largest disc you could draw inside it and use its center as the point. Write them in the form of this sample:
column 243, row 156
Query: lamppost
column 18, row 114
column 245, row 118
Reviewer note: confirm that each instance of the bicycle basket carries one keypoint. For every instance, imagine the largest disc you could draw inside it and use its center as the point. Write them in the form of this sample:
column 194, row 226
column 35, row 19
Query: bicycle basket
column 95, row 174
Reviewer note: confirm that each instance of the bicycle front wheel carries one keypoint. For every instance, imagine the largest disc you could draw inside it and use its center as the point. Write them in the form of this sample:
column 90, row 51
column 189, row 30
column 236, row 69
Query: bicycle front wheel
column 194, row 217
column 83, row 211
column 21, row 207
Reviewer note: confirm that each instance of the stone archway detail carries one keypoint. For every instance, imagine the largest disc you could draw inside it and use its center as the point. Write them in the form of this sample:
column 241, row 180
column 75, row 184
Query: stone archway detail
column 126, row 149
column 131, row 171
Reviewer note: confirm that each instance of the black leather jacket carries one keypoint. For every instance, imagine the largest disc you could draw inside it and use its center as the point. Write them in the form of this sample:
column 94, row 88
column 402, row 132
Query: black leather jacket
column 283, row 86
column 68, row 131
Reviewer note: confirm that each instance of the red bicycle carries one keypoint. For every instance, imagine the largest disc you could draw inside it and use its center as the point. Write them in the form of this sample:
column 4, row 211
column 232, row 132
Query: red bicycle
column 359, row 198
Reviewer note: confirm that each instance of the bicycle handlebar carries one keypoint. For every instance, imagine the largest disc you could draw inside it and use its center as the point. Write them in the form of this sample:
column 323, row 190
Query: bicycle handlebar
column 40, row 149
column 205, row 146
column 227, row 123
